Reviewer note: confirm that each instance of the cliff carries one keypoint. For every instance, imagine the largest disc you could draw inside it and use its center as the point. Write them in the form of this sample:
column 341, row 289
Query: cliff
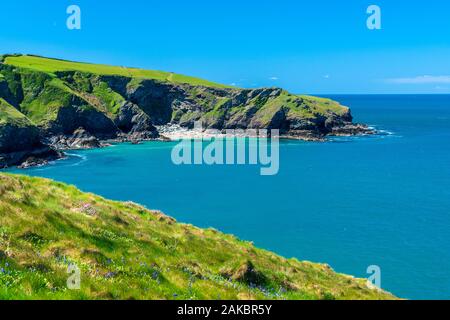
column 125, row 251
column 69, row 102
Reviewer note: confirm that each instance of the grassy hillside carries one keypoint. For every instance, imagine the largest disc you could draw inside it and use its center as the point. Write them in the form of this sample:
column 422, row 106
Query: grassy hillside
column 54, row 65
column 60, row 96
column 125, row 251
column 10, row 115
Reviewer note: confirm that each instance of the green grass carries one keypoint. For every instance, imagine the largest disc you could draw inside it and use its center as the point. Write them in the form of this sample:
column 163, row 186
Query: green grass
column 125, row 251
column 10, row 115
column 52, row 66
column 110, row 100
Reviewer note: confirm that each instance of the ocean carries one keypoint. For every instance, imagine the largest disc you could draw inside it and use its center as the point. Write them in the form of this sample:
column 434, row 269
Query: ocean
column 352, row 202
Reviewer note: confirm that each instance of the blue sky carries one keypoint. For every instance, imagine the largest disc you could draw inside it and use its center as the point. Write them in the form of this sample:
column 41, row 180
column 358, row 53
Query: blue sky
column 320, row 46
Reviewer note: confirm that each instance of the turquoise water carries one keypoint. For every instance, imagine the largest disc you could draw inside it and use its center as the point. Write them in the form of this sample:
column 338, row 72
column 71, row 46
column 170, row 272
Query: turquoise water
column 351, row 202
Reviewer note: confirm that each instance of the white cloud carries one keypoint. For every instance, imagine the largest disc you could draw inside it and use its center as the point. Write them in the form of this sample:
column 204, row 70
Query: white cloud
column 327, row 76
column 273, row 78
column 420, row 80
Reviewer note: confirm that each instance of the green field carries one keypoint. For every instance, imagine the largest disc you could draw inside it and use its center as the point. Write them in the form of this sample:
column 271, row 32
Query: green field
column 54, row 65
column 125, row 251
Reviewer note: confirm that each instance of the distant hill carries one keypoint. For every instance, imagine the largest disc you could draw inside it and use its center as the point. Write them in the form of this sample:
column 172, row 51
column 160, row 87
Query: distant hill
column 56, row 99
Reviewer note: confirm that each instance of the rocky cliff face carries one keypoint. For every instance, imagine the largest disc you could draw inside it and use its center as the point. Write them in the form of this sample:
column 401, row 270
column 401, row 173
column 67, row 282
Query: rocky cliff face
column 64, row 108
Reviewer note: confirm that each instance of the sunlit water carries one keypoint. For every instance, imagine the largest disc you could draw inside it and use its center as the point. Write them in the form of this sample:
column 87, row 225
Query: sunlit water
column 352, row 202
